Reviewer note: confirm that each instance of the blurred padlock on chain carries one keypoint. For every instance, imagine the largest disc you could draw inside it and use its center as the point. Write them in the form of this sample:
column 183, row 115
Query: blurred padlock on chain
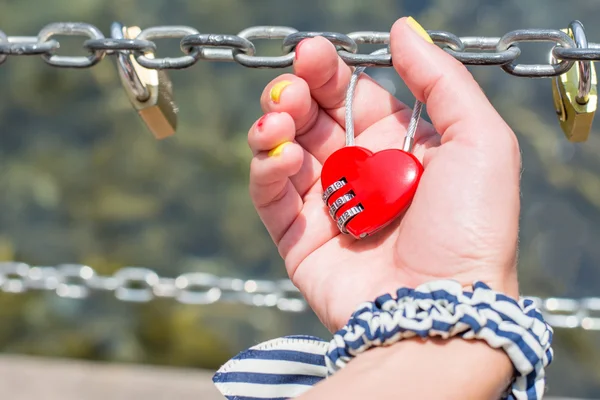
column 575, row 92
column 150, row 91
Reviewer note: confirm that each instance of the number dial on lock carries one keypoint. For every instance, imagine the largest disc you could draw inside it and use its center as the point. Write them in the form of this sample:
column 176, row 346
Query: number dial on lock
column 365, row 191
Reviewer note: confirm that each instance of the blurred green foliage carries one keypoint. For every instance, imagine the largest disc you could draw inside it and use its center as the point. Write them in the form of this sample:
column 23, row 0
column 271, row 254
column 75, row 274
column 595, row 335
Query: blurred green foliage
column 83, row 181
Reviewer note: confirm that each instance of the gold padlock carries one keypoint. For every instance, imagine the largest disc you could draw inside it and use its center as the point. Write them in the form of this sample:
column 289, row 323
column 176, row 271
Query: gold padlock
column 150, row 91
column 575, row 93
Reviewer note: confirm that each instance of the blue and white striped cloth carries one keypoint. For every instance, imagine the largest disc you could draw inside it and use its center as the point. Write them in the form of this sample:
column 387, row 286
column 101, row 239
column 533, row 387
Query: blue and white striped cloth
column 278, row 369
column 287, row 367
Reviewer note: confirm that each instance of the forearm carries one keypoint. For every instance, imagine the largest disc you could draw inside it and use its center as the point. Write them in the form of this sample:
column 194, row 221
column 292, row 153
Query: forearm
column 421, row 369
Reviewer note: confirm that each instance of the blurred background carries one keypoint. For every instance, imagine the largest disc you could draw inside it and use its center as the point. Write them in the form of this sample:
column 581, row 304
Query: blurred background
column 83, row 181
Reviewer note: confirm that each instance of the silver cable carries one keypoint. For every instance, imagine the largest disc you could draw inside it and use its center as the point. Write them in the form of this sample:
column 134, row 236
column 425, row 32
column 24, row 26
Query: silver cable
column 349, row 102
column 349, row 118
column 409, row 139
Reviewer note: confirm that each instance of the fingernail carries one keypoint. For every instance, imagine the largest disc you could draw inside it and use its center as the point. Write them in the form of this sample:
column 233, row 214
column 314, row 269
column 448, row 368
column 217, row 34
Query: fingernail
column 277, row 89
column 261, row 122
column 297, row 49
column 418, row 29
column 278, row 150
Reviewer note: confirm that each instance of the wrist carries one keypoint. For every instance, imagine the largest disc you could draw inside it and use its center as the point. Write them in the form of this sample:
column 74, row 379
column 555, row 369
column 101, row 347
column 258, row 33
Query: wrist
column 438, row 369
column 461, row 369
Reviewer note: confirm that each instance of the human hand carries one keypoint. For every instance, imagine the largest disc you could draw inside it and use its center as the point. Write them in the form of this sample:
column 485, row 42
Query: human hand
column 463, row 221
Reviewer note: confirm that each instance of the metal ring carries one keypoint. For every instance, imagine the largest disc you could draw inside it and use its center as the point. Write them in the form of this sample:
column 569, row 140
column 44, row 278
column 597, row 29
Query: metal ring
column 265, row 32
column 14, row 277
column 576, row 54
column 71, row 29
column 484, row 43
column 366, row 60
column 203, row 42
column 499, row 58
column 559, row 106
column 447, row 38
column 3, row 39
column 168, row 32
column 197, row 288
column 585, row 67
column 20, row 47
column 480, row 42
column 135, row 275
column 116, row 44
column 126, row 66
column 338, row 39
column 380, row 58
column 537, row 35
column 72, row 280
column 370, row 37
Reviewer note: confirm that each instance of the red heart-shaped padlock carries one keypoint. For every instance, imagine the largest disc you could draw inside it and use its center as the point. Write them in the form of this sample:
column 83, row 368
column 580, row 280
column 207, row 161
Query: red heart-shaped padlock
column 368, row 190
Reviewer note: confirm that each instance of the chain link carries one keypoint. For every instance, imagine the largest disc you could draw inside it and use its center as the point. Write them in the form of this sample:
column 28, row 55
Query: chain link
column 141, row 285
column 499, row 51
column 71, row 29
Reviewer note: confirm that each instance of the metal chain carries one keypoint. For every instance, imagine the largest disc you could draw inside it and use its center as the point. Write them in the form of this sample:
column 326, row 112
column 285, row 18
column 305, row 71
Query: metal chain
column 135, row 284
column 501, row 51
column 141, row 285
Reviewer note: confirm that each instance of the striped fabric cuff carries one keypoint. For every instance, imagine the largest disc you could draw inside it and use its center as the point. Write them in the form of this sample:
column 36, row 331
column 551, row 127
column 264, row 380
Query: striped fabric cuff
column 287, row 367
column 442, row 309
column 275, row 370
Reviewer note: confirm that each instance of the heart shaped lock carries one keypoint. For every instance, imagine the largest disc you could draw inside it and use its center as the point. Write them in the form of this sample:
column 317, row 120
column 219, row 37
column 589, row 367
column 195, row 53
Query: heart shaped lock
column 365, row 191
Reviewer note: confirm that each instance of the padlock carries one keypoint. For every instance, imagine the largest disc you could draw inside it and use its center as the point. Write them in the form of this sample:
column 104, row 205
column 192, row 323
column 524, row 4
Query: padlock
column 575, row 93
column 149, row 91
column 365, row 191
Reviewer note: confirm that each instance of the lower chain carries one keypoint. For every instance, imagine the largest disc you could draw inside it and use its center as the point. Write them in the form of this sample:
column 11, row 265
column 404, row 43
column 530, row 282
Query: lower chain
column 141, row 285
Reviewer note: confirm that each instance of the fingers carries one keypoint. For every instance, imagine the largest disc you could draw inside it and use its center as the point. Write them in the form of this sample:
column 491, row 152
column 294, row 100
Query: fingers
column 315, row 98
column 327, row 76
column 273, row 194
column 289, row 93
column 316, row 131
column 273, row 130
column 280, row 172
column 456, row 104
column 270, row 131
column 285, row 191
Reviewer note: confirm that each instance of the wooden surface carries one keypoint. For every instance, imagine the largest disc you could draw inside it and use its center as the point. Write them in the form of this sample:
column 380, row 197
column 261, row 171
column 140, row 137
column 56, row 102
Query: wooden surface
column 25, row 378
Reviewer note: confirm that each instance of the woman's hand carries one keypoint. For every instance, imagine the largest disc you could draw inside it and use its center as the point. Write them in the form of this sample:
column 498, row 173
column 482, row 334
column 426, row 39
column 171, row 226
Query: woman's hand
column 463, row 222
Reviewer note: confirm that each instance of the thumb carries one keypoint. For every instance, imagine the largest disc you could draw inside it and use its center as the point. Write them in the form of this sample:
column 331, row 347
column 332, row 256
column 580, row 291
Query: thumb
column 457, row 106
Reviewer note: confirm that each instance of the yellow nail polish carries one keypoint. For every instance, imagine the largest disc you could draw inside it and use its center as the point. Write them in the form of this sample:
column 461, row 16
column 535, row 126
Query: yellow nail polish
column 278, row 150
column 277, row 89
column 419, row 30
